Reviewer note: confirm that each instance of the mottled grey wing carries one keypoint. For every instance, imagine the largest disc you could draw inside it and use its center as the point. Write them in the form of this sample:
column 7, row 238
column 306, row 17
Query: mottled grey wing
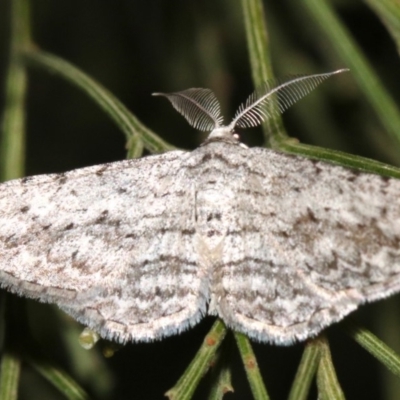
column 111, row 245
column 316, row 241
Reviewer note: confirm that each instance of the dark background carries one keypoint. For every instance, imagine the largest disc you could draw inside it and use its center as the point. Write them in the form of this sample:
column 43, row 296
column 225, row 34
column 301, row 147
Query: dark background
column 135, row 48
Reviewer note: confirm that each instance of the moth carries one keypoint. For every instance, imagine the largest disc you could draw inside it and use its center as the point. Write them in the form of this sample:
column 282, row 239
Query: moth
column 276, row 245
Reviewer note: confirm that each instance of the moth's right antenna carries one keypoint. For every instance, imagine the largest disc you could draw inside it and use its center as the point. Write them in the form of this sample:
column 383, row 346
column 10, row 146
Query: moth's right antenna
column 199, row 106
column 275, row 97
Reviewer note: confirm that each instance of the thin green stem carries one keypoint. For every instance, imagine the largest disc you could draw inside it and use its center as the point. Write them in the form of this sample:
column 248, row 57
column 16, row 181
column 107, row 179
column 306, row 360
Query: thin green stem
column 61, row 380
column 12, row 149
column 306, row 371
column 381, row 351
column 251, row 367
column 389, row 13
column 342, row 42
column 327, row 382
column 124, row 119
column 187, row 384
column 222, row 384
column 12, row 159
column 135, row 146
column 340, row 158
column 260, row 60
column 221, row 373
column 9, row 376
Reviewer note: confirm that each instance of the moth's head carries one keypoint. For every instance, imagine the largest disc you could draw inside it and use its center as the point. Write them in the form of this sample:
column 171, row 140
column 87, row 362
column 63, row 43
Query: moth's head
column 222, row 132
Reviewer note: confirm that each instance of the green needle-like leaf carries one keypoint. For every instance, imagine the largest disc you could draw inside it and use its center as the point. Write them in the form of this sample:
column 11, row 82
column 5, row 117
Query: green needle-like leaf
column 306, row 371
column 389, row 13
column 353, row 58
column 135, row 146
column 61, row 380
column 340, row 158
column 12, row 149
column 12, row 161
column 389, row 358
column 9, row 376
column 125, row 120
column 187, row 384
column 328, row 384
column 221, row 372
column 251, row 367
column 260, row 60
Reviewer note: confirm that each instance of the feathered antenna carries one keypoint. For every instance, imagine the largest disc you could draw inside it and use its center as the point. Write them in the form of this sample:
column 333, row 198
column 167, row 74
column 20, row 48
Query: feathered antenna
column 202, row 110
column 275, row 97
column 199, row 106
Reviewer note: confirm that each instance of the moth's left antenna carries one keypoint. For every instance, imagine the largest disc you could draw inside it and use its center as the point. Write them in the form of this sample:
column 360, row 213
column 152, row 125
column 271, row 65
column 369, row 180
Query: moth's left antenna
column 199, row 106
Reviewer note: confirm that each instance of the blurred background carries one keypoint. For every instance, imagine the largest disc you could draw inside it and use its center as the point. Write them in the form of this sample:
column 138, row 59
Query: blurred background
column 135, row 48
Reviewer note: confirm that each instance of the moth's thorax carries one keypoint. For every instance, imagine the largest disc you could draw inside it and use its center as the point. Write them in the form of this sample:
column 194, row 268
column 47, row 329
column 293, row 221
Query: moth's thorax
column 215, row 198
column 212, row 206
column 213, row 210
